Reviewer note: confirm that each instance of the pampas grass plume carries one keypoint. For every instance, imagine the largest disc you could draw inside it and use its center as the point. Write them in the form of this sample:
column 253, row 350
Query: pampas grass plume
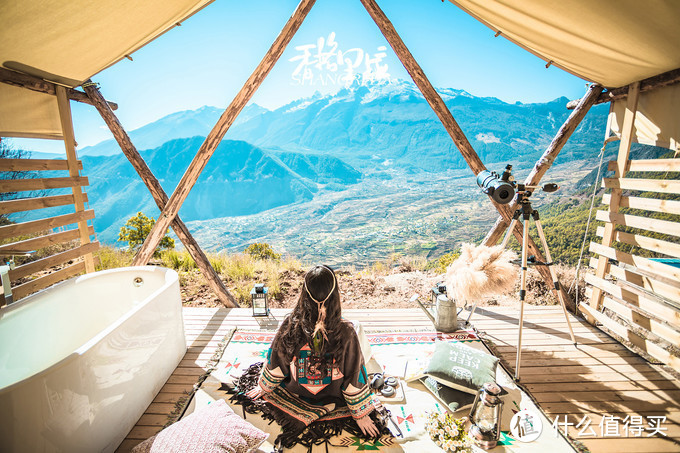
column 480, row 271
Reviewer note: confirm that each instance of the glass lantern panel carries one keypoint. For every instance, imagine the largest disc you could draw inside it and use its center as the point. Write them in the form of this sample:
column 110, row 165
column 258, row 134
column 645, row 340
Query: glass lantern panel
column 259, row 306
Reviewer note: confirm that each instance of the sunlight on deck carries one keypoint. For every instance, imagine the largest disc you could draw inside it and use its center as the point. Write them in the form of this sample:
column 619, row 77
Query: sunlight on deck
column 600, row 377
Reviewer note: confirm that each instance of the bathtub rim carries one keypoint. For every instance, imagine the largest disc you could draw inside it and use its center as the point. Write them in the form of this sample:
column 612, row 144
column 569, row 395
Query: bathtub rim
column 174, row 277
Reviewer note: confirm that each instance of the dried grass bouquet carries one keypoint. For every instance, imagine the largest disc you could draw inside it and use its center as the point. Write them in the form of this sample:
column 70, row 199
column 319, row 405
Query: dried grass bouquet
column 480, row 271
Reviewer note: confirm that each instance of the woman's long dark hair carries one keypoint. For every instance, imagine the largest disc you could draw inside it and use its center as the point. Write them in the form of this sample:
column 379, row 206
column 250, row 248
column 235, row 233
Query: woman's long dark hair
column 297, row 329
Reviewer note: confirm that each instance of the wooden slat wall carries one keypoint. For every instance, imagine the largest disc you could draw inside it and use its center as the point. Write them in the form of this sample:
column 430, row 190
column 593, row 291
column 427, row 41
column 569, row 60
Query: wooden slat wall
column 57, row 240
column 642, row 292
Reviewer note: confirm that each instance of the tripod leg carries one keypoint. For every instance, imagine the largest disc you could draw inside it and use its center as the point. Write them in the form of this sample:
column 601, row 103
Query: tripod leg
column 522, row 294
column 508, row 234
column 553, row 275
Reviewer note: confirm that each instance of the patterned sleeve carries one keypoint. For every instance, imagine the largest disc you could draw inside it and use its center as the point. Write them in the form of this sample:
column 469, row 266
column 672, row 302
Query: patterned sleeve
column 269, row 379
column 355, row 388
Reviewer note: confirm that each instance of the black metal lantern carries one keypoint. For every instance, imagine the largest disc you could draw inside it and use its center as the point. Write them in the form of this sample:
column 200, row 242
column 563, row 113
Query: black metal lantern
column 485, row 416
column 259, row 298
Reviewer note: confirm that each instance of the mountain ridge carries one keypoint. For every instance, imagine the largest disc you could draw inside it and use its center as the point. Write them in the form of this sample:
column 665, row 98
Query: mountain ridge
column 391, row 123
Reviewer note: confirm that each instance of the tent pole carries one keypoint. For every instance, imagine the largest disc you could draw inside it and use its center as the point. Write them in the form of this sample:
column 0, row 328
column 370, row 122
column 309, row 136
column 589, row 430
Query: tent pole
column 627, row 136
column 159, row 195
column 652, row 83
column 549, row 156
column 70, row 143
column 450, row 124
column 219, row 130
column 33, row 83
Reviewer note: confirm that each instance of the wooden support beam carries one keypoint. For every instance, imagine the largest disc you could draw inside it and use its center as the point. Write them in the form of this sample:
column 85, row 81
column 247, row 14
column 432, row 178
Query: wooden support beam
column 40, row 242
column 645, row 279
column 620, row 171
column 658, row 81
column 35, row 226
column 660, row 165
column 29, row 204
column 457, row 135
column 641, row 223
column 643, row 185
column 548, row 157
column 28, row 184
column 423, row 83
column 219, row 130
column 64, row 106
column 626, row 334
column 53, row 260
column 160, row 197
column 645, row 242
column 33, row 83
column 31, row 286
column 35, row 164
column 647, row 204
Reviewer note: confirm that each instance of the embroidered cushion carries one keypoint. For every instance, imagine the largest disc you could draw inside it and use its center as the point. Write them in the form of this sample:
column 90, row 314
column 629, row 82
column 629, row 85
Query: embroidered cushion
column 215, row 428
column 451, row 398
column 461, row 367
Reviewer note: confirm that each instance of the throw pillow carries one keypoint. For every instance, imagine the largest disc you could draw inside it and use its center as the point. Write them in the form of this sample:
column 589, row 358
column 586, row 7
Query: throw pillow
column 461, row 367
column 215, row 428
column 451, row 398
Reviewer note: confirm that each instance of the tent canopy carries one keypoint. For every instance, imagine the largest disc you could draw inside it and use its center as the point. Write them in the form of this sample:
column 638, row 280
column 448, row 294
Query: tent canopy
column 611, row 42
column 69, row 42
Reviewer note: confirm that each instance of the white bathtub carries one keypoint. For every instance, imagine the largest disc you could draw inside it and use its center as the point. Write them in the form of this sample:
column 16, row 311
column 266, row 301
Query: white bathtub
column 81, row 361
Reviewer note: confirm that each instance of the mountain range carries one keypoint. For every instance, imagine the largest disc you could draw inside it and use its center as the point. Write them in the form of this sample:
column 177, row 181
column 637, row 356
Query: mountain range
column 387, row 123
column 323, row 144
column 239, row 179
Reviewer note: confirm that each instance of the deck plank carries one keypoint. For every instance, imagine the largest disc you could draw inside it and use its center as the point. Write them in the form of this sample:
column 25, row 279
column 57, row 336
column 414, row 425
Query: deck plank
column 599, row 376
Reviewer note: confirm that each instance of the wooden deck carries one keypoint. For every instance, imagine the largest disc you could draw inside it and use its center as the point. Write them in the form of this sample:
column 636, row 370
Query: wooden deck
column 600, row 377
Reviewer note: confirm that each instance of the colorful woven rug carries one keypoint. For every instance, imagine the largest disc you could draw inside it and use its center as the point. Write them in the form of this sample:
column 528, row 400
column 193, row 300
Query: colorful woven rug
column 391, row 352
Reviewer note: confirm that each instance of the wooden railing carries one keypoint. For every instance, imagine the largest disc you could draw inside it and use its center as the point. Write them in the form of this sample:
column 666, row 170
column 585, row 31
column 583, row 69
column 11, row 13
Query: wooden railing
column 60, row 245
column 643, row 293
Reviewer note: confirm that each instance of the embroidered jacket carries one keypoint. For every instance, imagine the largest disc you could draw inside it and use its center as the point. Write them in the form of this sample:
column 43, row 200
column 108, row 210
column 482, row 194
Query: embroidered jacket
column 303, row 386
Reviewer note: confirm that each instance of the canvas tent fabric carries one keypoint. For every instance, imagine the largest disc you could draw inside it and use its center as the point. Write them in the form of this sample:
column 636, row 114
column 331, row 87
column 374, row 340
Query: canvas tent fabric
column 657, row 121
column 28, row 114
column 68, row 42
column 611, row 42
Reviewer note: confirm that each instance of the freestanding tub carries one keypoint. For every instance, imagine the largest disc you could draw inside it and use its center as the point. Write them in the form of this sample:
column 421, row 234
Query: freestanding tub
column 81, row 361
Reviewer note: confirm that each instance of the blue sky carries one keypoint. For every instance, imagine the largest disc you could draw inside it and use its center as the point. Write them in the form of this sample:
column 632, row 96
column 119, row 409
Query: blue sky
column 208, row 58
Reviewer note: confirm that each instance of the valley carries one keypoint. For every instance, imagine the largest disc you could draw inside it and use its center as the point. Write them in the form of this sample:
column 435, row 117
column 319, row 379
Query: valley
column 422, row 215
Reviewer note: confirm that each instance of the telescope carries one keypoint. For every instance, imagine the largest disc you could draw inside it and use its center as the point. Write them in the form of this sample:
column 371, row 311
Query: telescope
column 502, row 188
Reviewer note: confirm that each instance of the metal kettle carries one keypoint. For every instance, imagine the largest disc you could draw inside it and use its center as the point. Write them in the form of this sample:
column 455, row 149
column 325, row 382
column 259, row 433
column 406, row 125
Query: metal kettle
column 441, row 310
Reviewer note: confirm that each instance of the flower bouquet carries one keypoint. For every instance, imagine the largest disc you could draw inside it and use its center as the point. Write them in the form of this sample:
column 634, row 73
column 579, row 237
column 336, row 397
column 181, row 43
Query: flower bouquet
column 448, row 433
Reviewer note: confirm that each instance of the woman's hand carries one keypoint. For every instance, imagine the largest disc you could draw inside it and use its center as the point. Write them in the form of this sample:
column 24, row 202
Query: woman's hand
column 367, row 426
column 255, row 393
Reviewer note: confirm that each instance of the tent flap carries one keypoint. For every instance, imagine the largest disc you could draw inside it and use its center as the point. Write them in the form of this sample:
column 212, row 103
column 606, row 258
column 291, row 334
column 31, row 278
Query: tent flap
column 656, row 120
column 29, row 114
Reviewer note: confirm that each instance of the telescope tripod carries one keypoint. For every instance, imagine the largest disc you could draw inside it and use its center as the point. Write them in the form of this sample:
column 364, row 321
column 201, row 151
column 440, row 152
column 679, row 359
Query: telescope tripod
column 525, row 211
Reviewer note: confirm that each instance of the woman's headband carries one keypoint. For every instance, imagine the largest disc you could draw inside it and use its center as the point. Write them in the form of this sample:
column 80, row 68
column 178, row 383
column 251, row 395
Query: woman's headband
column 329, row 294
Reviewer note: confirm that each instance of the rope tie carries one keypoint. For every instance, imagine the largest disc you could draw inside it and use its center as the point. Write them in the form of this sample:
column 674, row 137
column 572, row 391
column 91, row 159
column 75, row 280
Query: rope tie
column 590, row 212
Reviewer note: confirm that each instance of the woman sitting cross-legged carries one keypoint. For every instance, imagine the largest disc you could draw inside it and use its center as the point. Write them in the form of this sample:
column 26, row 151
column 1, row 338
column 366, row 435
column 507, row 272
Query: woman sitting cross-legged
column 315, row 369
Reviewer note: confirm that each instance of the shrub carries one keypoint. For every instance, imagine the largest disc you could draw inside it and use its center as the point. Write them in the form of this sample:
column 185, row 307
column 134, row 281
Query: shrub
column 111, row 258
column 179, row 261
column 239, row 267
column 262, row 251
column 440, row 264
column 137, row 228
